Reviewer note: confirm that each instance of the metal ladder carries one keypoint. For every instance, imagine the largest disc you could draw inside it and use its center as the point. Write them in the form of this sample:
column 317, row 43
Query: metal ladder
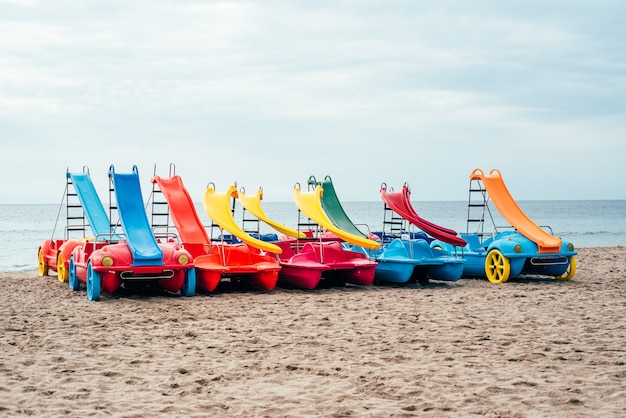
column 311, row 229
column 393, row 225
column 74, row 213
column 250, row 224
column 477, row 209
column 224, row 236
column 160, row 211
column 114, row 217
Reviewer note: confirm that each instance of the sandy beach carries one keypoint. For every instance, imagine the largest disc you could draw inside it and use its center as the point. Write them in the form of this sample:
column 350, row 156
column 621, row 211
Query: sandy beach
column 530, row 347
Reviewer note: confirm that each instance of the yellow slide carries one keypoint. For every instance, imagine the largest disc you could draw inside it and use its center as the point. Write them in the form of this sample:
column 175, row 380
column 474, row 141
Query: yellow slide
column 217, row 206
column 510, row 210
column 310, row 204
column 252, row 204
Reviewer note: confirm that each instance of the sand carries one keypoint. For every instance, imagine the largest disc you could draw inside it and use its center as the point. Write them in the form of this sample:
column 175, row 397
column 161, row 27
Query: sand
column 530, row 347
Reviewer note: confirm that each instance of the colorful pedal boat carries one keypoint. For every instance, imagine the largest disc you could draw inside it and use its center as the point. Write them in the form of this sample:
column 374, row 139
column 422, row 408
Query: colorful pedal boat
column 236, row 260
column 104, row 266
column 521, row 248
column 402, row 260
column 319, row 260
column 54, row 254
column 509, row 254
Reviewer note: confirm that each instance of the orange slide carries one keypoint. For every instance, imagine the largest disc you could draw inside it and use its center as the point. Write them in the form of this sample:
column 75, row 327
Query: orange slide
column 510, row 210
column 186, row 219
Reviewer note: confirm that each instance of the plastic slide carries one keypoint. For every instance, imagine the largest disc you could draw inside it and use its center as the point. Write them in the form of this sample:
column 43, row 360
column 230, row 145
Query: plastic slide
column 216, row 205
column 252, row 203
column 510, row 210
column 92, row 205
column 183, row 211
column 334, row 210
column 310, row 204
column 131, row 209
column 400, row 203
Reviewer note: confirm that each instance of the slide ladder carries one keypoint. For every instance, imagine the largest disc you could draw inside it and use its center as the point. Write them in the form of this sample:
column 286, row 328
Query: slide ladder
column 478, row 209
column 84, row 207
column 393, row 224
column 250, row 224
column 74, row 212
column 160, row 218
column 132, row 213
column 510, row 210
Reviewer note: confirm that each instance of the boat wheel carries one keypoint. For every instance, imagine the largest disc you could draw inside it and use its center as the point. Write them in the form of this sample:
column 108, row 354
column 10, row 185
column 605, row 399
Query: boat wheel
column 62, row 273
column 189, row 285
column 73, row 279
column 571, row 270
column 42, row 266
column 497, row 267
column 93, row 283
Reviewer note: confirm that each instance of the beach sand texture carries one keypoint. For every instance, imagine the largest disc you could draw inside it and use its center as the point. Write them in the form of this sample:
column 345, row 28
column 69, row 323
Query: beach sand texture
column 530, row 347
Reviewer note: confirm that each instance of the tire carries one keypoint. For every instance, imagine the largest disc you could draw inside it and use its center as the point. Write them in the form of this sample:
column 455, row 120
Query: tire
column 73, row 279
column 42, row 266
column 189, row 285
column 497, row 267
column 62, row 273
column 571, row 270
column 94, row 282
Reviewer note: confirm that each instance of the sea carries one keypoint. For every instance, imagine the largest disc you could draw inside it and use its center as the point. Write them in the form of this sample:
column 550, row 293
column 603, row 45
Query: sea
column 585, row 223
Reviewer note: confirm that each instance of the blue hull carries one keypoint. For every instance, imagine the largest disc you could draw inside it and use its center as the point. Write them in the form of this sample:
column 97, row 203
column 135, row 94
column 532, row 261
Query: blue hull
column 401, row 261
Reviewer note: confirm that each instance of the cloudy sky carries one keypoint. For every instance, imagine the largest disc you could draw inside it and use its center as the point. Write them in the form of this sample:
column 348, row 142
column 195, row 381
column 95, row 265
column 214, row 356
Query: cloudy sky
column 268, row 92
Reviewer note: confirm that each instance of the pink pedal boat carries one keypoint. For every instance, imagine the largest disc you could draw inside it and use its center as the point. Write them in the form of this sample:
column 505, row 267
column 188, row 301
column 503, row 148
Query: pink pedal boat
column 304, row 267
column 307, row 259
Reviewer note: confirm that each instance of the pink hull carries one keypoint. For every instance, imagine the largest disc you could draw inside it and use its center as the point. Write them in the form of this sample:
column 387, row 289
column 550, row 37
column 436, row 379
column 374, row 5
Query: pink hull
column 330, row 260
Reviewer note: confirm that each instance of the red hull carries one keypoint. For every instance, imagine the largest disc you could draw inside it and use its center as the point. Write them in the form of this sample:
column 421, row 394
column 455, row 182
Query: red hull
column 236, row 260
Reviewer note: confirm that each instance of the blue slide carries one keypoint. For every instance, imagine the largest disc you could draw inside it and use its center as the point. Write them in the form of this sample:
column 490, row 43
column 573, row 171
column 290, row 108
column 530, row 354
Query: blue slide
column 130, row 206
column 91, row 203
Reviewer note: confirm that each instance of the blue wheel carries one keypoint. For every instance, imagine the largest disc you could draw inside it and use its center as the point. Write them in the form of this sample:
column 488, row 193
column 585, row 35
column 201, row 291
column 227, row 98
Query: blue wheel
column 73, row 279
column 93, row 283
column 189, row 285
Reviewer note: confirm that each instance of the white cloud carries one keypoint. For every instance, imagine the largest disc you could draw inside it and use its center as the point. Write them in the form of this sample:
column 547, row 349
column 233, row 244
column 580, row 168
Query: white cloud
column 271, row 92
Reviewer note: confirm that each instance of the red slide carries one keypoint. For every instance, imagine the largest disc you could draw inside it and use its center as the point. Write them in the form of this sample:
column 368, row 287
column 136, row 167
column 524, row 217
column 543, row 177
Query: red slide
column 400, row 203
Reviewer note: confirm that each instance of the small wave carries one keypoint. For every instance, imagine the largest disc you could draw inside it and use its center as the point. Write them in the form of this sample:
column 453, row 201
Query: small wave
column 20, row 267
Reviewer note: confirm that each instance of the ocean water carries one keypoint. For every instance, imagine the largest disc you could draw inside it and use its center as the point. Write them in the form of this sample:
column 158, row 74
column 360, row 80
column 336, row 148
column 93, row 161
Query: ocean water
column 586, row 223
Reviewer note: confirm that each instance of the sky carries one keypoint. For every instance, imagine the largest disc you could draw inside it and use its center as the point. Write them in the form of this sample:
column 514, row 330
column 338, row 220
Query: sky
column 265, row 93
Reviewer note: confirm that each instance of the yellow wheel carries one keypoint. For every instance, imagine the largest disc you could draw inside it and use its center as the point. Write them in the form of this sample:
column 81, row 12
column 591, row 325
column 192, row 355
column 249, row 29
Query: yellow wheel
column 62, row 272
column 42, row 266
column 571, row 270
column 497, row 267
